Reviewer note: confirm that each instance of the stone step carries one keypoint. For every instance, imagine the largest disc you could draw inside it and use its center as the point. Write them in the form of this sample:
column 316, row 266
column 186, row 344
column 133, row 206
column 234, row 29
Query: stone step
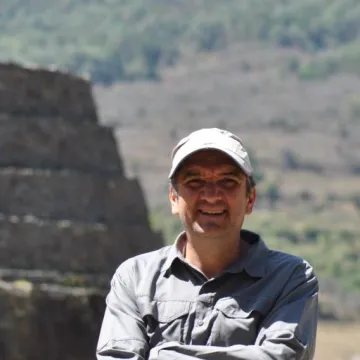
column 49, row 322
column 58, row 144
column 72, row 195
column 53, row 277
column 34, row 92
column 66, row 246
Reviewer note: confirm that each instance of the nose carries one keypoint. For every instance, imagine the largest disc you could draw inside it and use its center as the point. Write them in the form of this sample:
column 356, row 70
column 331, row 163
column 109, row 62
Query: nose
column 210, row 191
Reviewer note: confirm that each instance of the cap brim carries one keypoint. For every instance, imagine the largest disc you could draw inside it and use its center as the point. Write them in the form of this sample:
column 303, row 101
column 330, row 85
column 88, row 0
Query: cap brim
column 186, row 151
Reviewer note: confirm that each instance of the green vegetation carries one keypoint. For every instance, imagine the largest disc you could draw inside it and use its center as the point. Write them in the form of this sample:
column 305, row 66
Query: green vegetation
column 311, row 240
column 333, row 249
column 128, row 40
column 115, row 40
column 325, row 64
column 307, row 238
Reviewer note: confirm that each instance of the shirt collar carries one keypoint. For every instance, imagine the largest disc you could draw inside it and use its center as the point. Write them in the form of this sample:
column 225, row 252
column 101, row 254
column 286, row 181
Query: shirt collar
column 176, row 252
column 254, row 263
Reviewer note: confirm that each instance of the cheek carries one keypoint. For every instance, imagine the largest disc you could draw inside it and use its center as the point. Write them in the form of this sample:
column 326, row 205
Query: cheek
column 188, row 197
column 182, row 204
column 186, row 209
column 239, row 204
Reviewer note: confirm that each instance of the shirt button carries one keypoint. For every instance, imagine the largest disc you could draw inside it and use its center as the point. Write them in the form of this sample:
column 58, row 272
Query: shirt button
column 200, row 323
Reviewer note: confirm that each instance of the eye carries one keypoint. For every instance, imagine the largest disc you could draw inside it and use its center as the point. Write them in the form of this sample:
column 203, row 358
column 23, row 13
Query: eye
column 228, row 183
column 194, row 183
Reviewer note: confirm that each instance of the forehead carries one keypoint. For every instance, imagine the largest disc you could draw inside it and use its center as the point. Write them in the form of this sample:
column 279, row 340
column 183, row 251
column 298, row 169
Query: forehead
column 206, row 159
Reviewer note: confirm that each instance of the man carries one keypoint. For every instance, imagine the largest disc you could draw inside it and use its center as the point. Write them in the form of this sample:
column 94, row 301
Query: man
column 218, row 292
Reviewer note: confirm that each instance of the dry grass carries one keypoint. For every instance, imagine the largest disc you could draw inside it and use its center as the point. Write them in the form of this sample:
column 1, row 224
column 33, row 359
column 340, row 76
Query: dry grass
column 246, row 90
column 272, row 112
column 338, row 341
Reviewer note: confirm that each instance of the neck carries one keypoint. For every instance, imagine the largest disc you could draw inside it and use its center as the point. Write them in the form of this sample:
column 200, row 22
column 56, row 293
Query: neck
column 212, row 255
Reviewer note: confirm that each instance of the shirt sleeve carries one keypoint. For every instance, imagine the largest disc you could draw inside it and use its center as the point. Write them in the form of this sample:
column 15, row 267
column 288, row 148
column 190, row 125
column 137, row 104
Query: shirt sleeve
column 287, row 333
column 122, row 334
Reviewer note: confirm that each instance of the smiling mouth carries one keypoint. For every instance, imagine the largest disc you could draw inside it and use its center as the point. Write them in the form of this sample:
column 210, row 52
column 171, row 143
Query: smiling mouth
column 212, row 212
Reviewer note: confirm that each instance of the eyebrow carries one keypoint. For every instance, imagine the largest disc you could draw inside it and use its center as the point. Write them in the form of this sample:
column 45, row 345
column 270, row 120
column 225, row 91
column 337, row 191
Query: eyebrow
column 236, row 172
column 190, row 173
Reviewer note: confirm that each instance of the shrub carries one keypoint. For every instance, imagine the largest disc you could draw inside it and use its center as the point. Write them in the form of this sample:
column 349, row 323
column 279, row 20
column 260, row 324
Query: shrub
column 290, row 160
column 354, row 167
column 272, row 194
column 353, row 104
column 319, row 69
column 306, row 195
column 211, row 37
column 292, row 64
column 152, row 54
column 258, row 174
column 356, row 201
column 284, row 124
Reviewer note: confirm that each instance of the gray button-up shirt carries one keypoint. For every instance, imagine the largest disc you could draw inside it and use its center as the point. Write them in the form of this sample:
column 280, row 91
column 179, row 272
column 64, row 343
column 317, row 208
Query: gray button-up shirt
column 263, row 306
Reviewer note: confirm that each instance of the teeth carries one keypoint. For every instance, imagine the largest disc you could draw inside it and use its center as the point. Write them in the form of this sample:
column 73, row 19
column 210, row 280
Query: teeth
column 212, row 212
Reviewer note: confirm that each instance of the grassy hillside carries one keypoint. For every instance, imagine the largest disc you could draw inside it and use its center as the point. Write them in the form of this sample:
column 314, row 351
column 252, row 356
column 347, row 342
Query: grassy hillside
column 282, row 74
column 304, row 136
column 132, row 39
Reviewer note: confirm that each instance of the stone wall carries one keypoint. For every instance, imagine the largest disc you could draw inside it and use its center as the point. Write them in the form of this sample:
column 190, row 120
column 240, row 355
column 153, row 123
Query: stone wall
column 59, row 166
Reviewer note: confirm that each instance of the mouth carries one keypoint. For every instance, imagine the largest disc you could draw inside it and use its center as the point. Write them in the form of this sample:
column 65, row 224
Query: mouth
column 212, row 212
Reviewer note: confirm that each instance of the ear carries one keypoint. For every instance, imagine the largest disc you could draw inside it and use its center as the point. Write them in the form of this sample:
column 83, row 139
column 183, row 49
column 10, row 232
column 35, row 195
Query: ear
column 173, row 197
column 251, row 201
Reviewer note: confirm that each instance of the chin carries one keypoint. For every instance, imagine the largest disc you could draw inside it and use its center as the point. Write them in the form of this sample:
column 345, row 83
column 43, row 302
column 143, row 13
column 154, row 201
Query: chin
column 208, row 231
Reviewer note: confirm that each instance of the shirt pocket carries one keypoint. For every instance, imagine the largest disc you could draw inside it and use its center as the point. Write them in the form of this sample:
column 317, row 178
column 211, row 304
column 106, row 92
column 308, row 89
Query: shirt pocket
column 166, row 320
column 237, row 321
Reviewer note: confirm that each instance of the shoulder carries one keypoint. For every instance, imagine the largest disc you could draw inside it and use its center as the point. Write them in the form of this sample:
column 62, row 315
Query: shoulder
column 283, row 261
column 293, row 271
column 142, row 264
column 271, row 262
column 277, row 267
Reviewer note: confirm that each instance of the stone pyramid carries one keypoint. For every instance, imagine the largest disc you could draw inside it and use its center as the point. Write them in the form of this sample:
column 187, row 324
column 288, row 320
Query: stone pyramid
column 65, row 202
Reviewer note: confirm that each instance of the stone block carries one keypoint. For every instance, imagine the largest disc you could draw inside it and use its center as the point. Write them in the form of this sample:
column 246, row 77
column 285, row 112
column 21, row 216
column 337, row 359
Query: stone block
column 69, row 195
column 69, row 246
column 57, row 144
column 49, row 322
column 40, row 92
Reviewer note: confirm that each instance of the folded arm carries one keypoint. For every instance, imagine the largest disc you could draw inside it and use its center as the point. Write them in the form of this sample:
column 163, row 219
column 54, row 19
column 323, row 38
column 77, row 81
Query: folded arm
column 287, row 333
column 123, row 334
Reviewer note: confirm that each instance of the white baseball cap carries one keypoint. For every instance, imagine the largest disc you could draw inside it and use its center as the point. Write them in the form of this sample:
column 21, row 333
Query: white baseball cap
column 208, row 139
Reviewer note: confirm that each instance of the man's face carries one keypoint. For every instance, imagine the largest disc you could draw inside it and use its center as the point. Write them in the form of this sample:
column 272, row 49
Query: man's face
column 210, row 196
